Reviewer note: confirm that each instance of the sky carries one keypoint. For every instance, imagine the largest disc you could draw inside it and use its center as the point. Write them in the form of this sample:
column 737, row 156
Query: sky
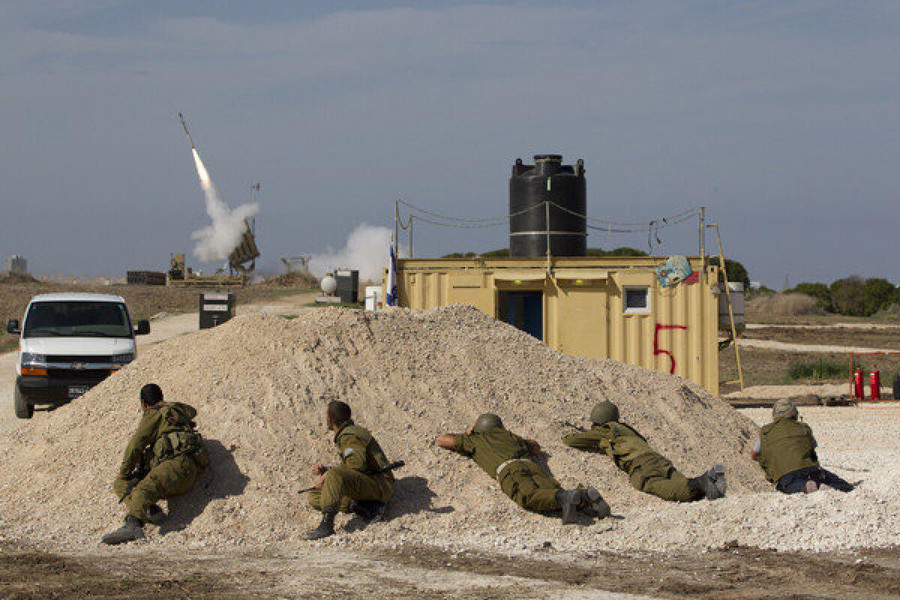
column 780, row 117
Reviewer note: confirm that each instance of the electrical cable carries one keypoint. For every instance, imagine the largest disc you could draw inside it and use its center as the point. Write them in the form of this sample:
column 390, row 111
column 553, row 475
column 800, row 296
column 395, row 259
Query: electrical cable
column 652, row 227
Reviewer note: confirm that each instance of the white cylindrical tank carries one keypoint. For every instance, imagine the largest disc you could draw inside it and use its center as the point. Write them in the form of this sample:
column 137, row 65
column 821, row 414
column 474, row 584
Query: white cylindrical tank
column 736, row 291
column 328, row 285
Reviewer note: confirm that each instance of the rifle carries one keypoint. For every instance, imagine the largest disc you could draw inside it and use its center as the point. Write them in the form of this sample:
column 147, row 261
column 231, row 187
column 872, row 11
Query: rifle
column 135, row 478
column 574, row 426
column 139, row 472
column 390, row 467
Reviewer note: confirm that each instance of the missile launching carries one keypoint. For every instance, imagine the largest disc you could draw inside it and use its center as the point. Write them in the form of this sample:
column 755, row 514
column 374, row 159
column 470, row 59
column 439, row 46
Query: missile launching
column 186, row 132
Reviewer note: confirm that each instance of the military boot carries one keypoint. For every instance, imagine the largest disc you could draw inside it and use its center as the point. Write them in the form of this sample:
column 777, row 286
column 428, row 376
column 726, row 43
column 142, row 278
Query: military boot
column 595, row 505
column 370, row 511
column 325, row 528
column 711, row 484
column 155, row 515
column 132, row 530
column 569, row 500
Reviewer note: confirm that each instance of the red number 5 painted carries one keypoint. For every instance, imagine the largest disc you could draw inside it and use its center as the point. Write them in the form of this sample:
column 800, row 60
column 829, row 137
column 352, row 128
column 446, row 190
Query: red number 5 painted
column 657, row 350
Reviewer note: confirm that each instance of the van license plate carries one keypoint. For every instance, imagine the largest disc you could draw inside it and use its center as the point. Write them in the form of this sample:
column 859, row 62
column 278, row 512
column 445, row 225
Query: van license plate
column 77, row 390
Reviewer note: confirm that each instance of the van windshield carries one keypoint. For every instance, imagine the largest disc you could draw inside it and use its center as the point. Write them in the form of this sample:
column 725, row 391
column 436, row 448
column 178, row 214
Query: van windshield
column 77, row 319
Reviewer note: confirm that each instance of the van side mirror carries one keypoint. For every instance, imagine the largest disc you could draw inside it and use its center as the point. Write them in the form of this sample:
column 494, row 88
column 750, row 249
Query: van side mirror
column 143, row 327
column 12, row 326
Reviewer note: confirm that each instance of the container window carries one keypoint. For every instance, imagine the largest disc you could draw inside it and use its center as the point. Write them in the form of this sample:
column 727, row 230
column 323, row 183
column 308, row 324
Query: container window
column 637, row 300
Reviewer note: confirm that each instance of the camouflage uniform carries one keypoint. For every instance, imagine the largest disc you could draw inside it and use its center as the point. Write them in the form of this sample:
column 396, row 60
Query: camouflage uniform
column 504, row 456
column 786, row 451
column 166, row 443
column 360, row 454
column 648, row 471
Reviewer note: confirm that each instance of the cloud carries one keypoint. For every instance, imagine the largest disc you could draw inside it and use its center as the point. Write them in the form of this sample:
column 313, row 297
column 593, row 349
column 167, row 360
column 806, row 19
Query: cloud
column 763, row 111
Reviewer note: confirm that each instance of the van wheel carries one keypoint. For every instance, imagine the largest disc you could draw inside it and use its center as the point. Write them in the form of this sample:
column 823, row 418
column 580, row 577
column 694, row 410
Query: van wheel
column 24, row 410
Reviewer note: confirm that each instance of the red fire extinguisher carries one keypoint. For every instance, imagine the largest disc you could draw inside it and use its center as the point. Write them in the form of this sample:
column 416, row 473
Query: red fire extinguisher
column 875, row 383
column 859, row 391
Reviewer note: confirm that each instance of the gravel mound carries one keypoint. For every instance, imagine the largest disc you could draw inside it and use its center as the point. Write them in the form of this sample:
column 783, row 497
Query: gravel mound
column 259, row 381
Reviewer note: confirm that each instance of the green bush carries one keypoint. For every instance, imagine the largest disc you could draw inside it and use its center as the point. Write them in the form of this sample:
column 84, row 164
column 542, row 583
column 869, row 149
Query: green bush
column 877, row 294
column 623, row 251
column 819, row 291
column 737, row 273
column 819, row 369
column 847, row 295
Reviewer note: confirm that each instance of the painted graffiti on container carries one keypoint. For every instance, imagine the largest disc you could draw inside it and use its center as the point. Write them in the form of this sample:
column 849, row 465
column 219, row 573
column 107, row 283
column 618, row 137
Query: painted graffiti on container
column 657, row 350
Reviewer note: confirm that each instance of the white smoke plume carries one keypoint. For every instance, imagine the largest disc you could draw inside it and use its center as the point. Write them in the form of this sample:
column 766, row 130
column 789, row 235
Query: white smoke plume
column 367, row 250
column 216, row 241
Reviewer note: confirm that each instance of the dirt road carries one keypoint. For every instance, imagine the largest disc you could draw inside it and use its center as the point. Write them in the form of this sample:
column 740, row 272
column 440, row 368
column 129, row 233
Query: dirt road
column 791, row 347
column 163, row 328
column 860, row 326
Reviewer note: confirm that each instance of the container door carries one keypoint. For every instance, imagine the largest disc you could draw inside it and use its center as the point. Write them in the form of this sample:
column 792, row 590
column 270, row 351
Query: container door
column 523, row 310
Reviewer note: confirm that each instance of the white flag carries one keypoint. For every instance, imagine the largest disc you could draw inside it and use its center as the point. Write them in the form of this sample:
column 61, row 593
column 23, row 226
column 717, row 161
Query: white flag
column 391, row 286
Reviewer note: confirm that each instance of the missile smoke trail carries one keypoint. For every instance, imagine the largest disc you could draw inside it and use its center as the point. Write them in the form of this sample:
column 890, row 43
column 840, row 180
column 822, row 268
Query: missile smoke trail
column 216, row 241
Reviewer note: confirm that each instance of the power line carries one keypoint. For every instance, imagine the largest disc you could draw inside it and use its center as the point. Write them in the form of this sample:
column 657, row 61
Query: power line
column 649, row 227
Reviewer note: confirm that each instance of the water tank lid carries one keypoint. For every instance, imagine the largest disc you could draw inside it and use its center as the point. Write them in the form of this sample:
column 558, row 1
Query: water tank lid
column 548, row 158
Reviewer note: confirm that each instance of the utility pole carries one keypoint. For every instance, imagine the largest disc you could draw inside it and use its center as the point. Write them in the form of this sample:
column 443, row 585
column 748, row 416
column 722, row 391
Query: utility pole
column 703, row 242
column 411, row 236
column 396, row 228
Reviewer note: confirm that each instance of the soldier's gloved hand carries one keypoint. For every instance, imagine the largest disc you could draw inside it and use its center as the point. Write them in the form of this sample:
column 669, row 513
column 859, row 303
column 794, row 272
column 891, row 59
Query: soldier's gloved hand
column 320, row 480
column 121, row 486
column 319, row 469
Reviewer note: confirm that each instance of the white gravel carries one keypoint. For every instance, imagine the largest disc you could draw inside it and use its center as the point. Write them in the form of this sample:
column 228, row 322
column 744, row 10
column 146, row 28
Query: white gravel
column 259, row 382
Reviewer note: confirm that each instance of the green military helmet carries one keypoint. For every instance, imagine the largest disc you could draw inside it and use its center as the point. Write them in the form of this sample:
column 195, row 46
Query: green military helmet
column 487, row 421
column 604, row 412
column 784, row 408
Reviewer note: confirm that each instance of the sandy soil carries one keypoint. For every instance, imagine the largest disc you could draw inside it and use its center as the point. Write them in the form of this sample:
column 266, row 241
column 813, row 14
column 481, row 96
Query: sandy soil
column 859, row 443
column 773, row 392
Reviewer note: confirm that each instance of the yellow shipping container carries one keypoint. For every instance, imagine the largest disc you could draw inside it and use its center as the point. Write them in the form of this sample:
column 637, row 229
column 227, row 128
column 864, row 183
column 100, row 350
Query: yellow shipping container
column 602, row 307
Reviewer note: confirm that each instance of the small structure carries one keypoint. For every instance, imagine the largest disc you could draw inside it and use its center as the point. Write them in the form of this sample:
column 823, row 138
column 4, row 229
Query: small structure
column 215, row 308
column 661, row 313
column 601, row 307
column 296, row 264
column 16, row 265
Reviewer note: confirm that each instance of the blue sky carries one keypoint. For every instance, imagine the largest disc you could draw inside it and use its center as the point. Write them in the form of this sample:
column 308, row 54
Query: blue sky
column 782, row 118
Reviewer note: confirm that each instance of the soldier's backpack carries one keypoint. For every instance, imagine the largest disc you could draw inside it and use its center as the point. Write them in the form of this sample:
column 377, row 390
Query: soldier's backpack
column 183, row 438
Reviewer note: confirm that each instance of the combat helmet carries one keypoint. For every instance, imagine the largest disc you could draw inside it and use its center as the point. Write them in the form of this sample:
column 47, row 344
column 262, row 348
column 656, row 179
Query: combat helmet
column 784, row 408
column 604, row 412
column 487, row 421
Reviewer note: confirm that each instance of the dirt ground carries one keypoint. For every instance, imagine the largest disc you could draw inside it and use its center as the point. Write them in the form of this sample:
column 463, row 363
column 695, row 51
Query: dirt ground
column 828, row 319
column 829, row 336
column 730, row 573
column 770, row 366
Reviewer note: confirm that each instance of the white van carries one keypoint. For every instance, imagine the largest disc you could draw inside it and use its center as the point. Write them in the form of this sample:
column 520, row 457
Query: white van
column 68, row 344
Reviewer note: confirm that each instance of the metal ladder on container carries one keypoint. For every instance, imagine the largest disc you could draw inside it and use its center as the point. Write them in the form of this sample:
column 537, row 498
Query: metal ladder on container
column 737, row 350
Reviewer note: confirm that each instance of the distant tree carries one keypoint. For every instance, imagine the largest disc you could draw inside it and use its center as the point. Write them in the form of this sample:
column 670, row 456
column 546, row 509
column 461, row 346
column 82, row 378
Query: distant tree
column 504, row 252
column 877, row 294
column 737, row 273
column 847, row 295
column 623, row 251
column 499, row 253
column 819, row 291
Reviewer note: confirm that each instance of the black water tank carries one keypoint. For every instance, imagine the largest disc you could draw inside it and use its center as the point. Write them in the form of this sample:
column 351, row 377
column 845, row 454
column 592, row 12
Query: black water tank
column 530, row 187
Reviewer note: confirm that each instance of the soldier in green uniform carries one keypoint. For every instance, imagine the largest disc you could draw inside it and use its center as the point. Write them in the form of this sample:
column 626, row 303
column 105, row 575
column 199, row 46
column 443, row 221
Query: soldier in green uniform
column 354, row 485
column 162, row 460
column 648, row 471
column 506, row 457
column 786, row 450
